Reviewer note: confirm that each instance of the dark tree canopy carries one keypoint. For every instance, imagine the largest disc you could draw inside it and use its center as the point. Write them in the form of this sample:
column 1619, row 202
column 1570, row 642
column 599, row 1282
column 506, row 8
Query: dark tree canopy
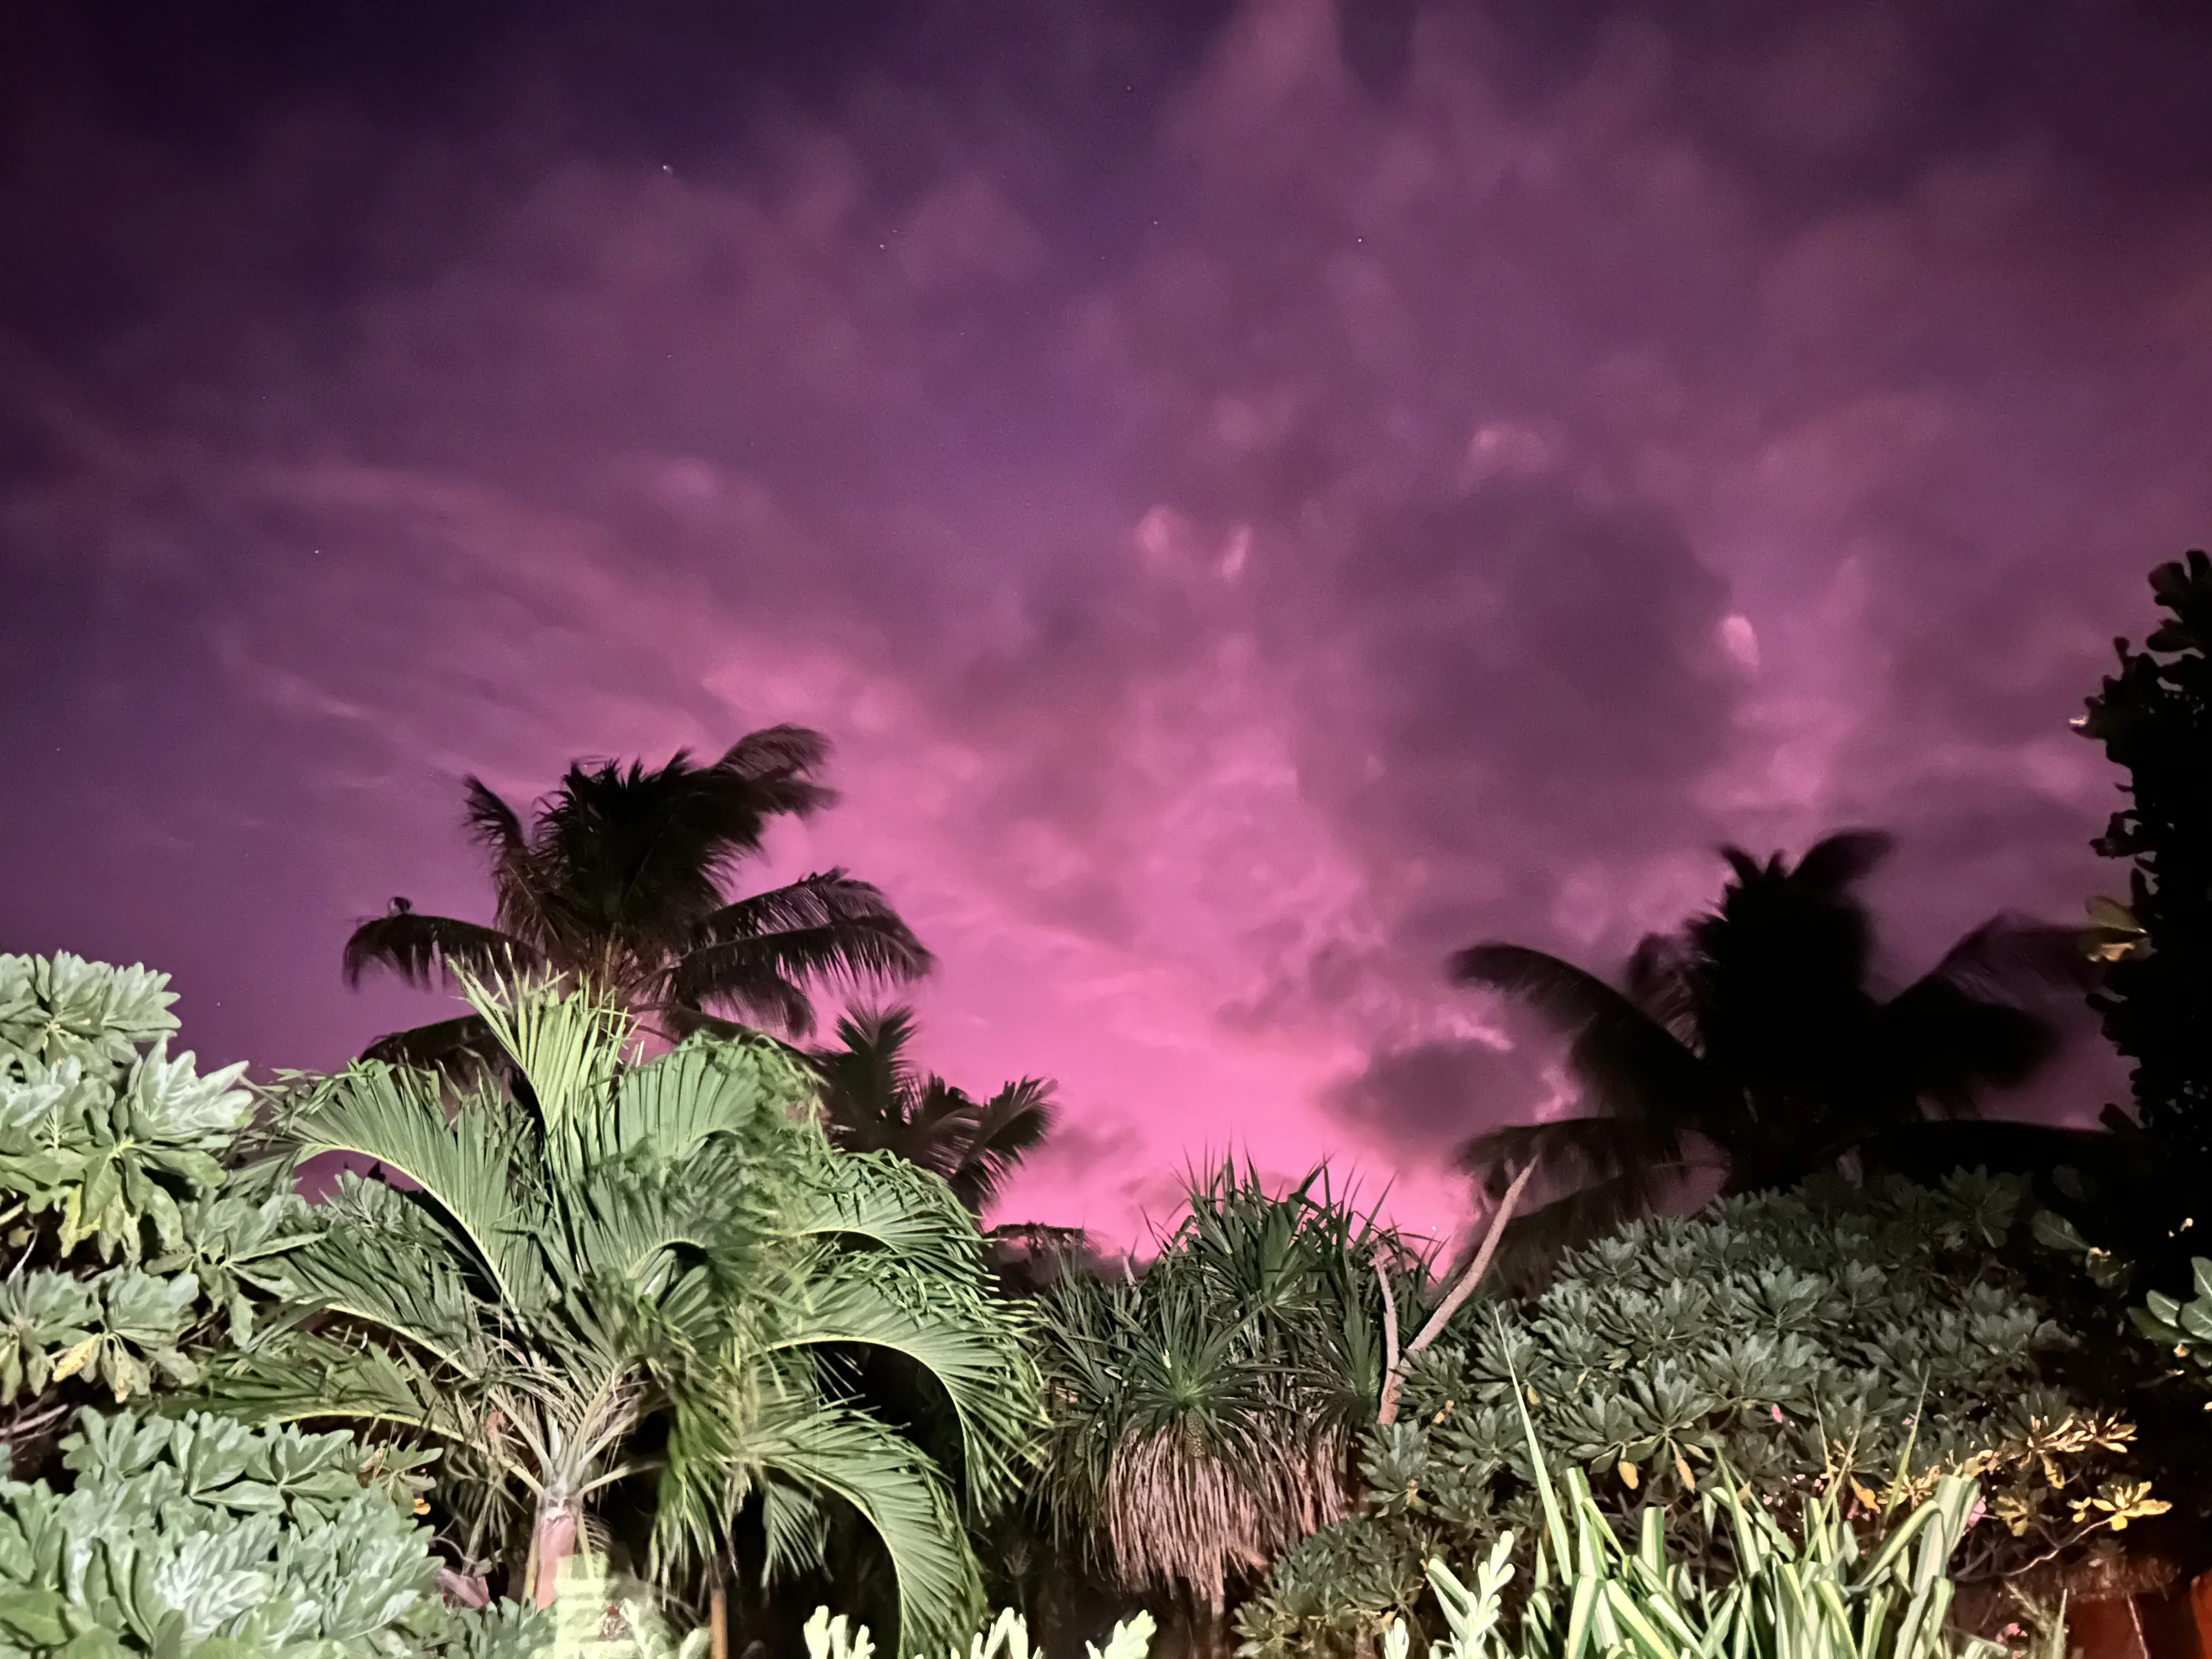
column 875, row 1100
column 1753, row 1039
column 2154, row 718
column 621, row 877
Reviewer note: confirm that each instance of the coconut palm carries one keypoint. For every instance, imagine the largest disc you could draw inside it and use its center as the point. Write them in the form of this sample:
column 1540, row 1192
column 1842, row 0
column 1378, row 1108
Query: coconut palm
column 620, row 878
column 874, row 1100
column 1202, row 1413
column 1752, row 1041
column 654, row 1279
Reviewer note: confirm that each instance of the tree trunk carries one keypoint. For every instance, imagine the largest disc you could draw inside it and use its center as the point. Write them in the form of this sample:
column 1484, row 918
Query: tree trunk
column 552, row 1540
column 718, row 1617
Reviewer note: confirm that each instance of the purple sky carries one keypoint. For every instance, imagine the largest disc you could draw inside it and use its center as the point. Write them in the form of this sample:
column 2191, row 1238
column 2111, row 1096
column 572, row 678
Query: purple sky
column 1259, row 497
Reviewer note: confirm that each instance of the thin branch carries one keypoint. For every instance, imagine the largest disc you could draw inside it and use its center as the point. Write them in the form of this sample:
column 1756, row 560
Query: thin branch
column 1429, row 1331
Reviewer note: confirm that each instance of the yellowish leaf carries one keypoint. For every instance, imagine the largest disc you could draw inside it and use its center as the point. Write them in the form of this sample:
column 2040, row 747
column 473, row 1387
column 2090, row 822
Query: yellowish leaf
column 75, row 1358
column 1629, row 1474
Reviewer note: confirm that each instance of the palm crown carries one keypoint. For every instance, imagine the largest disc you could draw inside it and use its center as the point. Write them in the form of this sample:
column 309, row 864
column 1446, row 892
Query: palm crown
column 1752, row 1039
column 601, row 1274
column 874, row 1100
column 620, row 880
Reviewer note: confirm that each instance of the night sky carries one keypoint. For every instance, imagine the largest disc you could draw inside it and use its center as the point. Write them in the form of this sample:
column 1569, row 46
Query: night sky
column 1259, row 496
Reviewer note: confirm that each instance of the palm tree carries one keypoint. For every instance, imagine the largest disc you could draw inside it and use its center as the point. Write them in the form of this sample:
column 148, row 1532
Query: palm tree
column 1751, row 1041
column 873, row 1100
column 620, row 880
column 652, row 1278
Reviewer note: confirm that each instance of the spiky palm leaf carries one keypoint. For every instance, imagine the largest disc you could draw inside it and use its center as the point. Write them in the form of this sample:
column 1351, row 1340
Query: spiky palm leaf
column 623, row 1252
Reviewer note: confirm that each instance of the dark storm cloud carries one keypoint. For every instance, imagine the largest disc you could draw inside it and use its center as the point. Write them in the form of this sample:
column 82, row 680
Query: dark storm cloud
column 1262, row 494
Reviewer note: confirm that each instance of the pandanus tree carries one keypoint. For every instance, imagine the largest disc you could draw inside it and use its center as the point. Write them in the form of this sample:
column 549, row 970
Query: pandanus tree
column 1203, row 1412
column 1754, row 1041
column 620, row 878
column 593, row 1275
column 874, row 1099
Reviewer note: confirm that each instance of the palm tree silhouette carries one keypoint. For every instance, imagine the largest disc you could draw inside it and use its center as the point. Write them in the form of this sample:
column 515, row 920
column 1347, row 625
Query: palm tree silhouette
column 1751, row 1041
column 619, row 880
column 874, row 1100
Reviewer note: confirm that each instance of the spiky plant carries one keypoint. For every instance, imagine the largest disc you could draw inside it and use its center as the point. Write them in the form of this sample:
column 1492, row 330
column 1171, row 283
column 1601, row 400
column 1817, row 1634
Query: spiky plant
column 620, row 879
column 1201, row 1414
column 652, row 1276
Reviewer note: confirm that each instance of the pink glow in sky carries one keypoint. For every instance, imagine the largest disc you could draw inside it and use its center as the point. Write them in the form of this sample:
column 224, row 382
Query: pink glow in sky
column 1259, row 498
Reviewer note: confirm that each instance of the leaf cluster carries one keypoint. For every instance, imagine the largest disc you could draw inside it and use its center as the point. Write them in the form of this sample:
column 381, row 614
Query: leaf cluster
column 199, row 1538
column 2154, row 718
column 139, row 1224
column 1851, row 1343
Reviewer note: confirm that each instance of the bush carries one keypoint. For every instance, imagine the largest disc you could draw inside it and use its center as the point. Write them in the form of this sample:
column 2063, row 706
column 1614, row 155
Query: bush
column 199, row 1536
column 1809, row 1594
column 139, row 1227
column 1855, row 1346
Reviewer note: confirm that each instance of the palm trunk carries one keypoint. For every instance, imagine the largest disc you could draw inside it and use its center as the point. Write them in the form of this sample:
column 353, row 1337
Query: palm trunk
column 717, row 1617
column 552, row 1540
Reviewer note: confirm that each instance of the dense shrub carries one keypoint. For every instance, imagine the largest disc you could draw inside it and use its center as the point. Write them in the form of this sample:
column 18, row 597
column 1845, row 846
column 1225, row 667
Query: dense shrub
column 1819, row 1342
column 197, row 1537
column 141, row 1225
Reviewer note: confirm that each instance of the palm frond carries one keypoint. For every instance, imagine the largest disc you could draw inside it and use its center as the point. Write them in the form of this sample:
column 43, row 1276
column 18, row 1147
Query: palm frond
column 424, row 950
column 705, row 1086
column 971, row 1349
column 1574, row 1151
column 883, row 1200
column 869, row 1085
column 896, row 1490
column 1839, row 861
column 460, row 1048
column 1001, row 1131
column 497, row 829
column 776, row 751
column 1629, row 1065
column 461, row 1165
column 825, row 927
column 566, row 1045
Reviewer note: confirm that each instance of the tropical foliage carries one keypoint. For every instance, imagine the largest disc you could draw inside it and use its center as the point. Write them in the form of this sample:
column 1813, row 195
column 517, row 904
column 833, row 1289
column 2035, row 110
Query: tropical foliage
column 144, row 1220
column 1837, row 1342
column 652, row 1278
column 620, row 878
column 1812, row 1592
column 1752, row 1040
column 2154, row 718
column 875, row 1100
column 1203, row 1415
column 197, row 1537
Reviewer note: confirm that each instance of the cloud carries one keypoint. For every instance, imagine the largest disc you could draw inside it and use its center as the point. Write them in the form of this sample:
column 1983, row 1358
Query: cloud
column 1262, row 495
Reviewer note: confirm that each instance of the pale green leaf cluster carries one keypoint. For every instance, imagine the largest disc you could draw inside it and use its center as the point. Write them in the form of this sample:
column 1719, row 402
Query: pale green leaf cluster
column 199, row 1538
column 1810, row 1592
column 131, row 1231
column 62, row 1007
column 1813, row 1341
